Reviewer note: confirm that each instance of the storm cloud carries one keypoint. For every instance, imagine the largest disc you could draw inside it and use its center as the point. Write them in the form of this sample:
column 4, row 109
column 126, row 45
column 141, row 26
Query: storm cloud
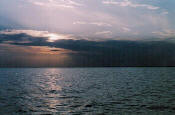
column 107, row 53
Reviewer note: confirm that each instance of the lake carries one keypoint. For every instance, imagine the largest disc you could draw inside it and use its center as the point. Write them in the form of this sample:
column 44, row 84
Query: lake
column 87, row 91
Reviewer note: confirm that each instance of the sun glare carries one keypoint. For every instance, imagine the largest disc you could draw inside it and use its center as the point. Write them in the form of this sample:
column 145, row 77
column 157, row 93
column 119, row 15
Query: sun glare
column 53, row 37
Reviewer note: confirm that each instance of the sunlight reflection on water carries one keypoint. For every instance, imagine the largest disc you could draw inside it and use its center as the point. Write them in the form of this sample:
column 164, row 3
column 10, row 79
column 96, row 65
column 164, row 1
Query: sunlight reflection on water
column 87, row 91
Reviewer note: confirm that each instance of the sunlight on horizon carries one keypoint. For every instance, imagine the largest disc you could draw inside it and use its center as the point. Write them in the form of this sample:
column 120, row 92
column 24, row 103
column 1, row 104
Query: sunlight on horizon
column 54, row 37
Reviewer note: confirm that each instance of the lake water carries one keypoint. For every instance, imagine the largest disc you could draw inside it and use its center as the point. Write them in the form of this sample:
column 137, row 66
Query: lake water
column 87, row 91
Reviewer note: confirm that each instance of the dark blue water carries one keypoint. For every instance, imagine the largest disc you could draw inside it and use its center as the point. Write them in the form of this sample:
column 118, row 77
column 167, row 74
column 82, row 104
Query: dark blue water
column 87, row 91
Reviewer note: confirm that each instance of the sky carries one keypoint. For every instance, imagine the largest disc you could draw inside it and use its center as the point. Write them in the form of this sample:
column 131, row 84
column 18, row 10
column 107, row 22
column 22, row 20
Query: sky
column 92, row 18
column 39, row 30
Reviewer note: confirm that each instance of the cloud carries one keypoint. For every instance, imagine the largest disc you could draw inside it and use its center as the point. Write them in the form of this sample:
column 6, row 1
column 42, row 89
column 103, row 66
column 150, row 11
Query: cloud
column 126, row 29
column 128, row 3
column 56, row 3
column 100, row 24
column 83, row 52
column 165, row 33
column 80, row 22
column 93, row 23
column 86, row 17
column 55, row 50
column 34, row 33
column 103, row 33
column 165, row 12
column 51, row 37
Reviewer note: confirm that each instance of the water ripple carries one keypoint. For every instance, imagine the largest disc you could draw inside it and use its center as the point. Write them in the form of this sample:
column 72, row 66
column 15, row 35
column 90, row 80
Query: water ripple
column 89, row 91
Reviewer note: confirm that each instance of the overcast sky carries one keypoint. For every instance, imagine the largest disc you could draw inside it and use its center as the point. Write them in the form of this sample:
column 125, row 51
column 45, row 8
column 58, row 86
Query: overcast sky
column 93, row 19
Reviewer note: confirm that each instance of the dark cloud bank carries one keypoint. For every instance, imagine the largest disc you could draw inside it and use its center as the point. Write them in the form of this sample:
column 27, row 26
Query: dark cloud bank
column 107, row 53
